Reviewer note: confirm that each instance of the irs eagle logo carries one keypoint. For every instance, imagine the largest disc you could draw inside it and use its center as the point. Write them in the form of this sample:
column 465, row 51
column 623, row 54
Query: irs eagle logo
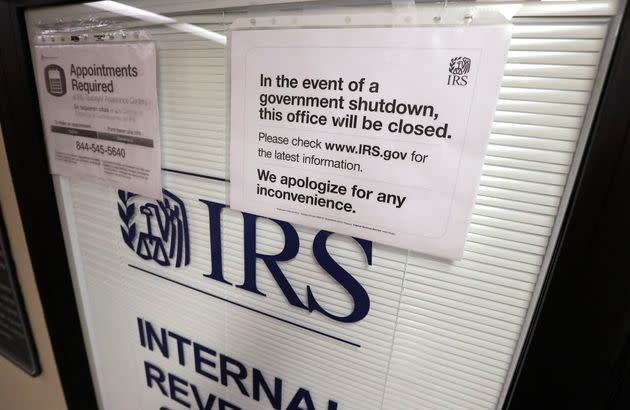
column 459, row 65
column 163, row 234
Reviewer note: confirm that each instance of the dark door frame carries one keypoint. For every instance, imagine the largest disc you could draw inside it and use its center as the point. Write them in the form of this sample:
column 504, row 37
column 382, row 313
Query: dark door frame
column 576, row 352
column 23, row 137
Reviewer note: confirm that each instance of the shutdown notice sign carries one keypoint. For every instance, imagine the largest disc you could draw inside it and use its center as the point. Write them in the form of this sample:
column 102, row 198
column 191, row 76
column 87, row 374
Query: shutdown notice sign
column 378, row 133
column 100, row 113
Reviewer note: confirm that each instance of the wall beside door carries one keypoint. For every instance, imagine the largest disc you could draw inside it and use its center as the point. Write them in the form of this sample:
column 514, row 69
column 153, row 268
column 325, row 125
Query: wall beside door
column 18, row 390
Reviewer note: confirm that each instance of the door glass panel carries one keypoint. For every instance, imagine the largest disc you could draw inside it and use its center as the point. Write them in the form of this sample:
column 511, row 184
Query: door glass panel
column 439, row 334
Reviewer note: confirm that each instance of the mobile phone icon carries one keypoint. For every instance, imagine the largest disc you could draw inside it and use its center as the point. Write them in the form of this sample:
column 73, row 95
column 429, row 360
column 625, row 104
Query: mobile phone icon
column 55, row 80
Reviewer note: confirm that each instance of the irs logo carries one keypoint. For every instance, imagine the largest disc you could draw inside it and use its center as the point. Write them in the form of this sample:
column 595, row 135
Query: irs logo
column 458, row 67
column 55, row 80
column 163, row 235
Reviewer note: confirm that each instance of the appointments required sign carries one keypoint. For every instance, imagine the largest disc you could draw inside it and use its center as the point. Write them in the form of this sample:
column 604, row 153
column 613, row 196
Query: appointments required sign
column 100, row 113
column 377, row 133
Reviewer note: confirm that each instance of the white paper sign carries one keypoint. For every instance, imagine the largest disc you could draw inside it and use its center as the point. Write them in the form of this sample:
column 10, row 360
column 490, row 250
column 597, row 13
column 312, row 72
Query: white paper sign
column 100, row 113
column 378, row 133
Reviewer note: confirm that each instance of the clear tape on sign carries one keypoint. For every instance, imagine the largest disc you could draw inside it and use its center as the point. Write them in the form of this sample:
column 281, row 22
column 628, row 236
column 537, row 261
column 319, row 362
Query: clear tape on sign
column 48, row 36
column 400, row 14
column 90, row 29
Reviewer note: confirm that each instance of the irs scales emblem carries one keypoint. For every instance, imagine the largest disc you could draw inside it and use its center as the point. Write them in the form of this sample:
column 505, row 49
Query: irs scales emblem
column 459, row 65
column 164, row 236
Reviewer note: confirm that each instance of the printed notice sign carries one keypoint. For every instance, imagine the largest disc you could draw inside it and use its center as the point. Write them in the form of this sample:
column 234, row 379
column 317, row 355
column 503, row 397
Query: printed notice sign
column 100, row 113
column 378, row 133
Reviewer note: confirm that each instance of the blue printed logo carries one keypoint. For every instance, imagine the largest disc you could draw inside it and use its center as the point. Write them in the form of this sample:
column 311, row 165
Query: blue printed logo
column 165, row 237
